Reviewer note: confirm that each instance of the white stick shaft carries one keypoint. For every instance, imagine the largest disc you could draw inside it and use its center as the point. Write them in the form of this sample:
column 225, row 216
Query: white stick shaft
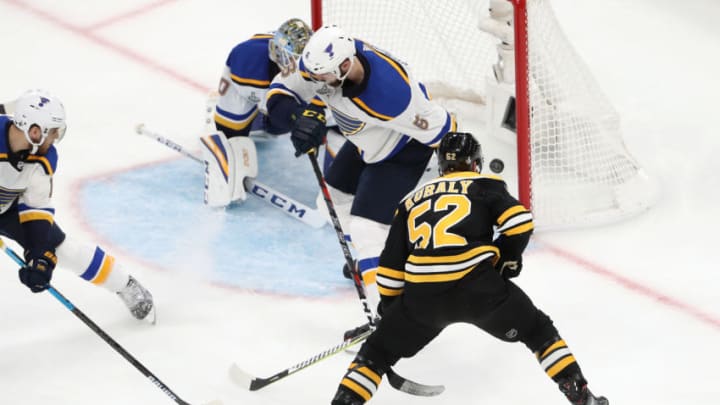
column 266, row 193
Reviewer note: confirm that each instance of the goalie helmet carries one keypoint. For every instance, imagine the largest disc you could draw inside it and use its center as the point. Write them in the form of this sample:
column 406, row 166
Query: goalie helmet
column 39, row 108
column 459, row 151
column 327, row 49
column 288, row 42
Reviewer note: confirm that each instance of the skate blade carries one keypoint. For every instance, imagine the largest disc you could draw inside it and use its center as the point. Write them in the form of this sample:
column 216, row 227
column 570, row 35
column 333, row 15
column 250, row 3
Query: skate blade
column 151, row 318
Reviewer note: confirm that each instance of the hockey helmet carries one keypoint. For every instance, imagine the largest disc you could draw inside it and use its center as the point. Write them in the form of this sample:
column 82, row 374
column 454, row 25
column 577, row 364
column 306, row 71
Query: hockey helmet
column 288, row 42
column 327, row 49
column 39, row 108
column 457, row 152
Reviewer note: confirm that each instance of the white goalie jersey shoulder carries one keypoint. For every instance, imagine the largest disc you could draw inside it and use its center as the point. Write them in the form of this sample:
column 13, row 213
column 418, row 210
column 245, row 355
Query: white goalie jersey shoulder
column 228, row 162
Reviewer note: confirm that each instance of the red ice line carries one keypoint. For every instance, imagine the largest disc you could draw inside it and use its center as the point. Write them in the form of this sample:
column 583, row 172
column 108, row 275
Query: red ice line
column 635, row 286
column 89, row 34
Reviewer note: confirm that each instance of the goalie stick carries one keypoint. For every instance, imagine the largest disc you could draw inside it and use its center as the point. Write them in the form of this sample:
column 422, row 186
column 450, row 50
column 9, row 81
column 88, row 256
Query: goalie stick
column 249, row 382
column 109, row 340
column 289, row 206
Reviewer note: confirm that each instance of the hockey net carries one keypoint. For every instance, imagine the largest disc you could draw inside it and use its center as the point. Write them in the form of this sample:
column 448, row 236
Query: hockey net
column 554, row 137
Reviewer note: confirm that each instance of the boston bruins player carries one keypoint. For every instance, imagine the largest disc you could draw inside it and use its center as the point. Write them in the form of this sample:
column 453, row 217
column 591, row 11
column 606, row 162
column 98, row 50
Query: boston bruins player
column 28, row 160
column 440, row 266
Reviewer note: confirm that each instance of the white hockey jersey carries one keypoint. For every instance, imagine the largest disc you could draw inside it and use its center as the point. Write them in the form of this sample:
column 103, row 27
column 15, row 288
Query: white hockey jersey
column 381, row 114
column 28, row 181
column 247, row 74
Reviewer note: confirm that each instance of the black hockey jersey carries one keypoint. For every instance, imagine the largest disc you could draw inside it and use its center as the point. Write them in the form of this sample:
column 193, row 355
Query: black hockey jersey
column 445, row 227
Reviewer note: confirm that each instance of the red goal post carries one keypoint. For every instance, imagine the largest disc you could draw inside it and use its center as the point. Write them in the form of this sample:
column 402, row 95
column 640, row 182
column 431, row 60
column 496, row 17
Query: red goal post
column 543, row 122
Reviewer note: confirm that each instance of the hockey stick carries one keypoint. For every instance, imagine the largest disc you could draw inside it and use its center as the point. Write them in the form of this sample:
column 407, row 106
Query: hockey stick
column 396, row 381
column 289, row 206
column 110, row 341
column 341, row 238
column 251, row 383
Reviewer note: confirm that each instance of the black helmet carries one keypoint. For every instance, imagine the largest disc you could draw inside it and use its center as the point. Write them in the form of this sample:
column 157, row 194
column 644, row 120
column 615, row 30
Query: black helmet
column 457, row 152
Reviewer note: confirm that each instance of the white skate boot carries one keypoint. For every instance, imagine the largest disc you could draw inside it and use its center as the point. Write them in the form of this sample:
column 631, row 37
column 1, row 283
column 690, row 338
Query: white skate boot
column 138, row 300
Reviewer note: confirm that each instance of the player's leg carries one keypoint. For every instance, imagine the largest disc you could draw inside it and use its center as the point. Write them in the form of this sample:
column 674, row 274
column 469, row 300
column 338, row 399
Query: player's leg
column 94, row 265
column 342, row 176
column 88, row 261
column 398, row 335
column 380, row 188
column 506, row 312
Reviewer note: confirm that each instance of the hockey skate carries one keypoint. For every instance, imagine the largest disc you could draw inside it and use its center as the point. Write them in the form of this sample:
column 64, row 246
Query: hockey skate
column 138, row 300
column 577, row 392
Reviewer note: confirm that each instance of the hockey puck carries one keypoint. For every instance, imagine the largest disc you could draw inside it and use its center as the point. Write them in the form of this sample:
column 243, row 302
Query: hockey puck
column 497, row 166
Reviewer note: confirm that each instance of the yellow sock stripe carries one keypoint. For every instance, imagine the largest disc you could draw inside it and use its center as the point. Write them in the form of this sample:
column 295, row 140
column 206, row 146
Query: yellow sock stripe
column 356, row 388
column 369, row 373
column 105, row 269
column 560, row 366
column 560, row 343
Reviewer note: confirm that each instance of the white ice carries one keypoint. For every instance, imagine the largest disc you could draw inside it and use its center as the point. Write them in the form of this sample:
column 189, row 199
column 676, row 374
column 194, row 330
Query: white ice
column 638, row 302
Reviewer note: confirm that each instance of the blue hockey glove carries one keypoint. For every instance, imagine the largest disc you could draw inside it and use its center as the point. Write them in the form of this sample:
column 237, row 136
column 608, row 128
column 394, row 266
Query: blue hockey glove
column 36, row 274
column 308, row 129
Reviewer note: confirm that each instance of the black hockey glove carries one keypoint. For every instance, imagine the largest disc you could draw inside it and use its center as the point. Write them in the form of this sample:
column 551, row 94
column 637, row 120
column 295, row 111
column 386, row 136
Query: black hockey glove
column 308, row 129
column 509, row 268
column 36, row 274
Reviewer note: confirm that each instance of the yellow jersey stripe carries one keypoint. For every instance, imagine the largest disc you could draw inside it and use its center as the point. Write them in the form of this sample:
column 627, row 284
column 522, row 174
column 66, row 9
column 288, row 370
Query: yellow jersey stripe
column 437, row 278
column 453, row 258
column 392, row 273
column 389, row 292
column 370, row 111
column 236, row 125
column 252, row 82
column 520, row 229
column 510, row 212
column 394, row 65
column 36, row 215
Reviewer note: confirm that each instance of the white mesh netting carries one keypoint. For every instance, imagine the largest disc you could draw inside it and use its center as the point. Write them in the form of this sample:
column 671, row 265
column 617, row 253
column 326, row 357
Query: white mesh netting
column 581, row 172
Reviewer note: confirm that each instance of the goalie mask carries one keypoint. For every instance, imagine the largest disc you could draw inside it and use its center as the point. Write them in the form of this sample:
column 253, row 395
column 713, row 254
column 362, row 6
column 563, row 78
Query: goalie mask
column 459, row 151
column 327, row 49
column 39, row 108
column 287, row 44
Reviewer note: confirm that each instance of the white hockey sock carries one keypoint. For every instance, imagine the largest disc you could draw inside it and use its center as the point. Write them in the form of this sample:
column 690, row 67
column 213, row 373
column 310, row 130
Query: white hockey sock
column 92, row 264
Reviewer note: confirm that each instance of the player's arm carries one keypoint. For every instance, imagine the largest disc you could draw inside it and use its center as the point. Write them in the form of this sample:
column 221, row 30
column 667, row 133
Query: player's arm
column 36, row 213
column 236, row 108
column 424, row 120
column 514, row 226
